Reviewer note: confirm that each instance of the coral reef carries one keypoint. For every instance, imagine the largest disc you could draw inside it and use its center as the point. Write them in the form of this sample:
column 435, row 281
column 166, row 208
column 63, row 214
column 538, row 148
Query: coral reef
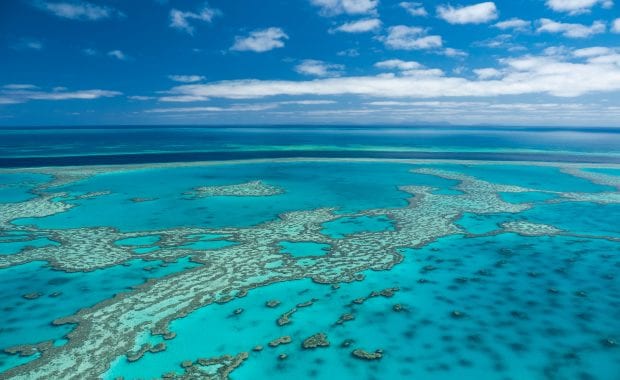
column 111, row 328
column 248, row 189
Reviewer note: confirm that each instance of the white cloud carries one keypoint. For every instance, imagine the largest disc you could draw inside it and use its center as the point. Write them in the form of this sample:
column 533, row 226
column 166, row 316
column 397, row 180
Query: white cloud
column 19, row 86
column 451, row 52
column 411, row 38
column 250, row 107
column 89, row 51
column 359, row 26
column 407, row 68
column 414, row 9
column 233, row 108
column 514, row 24
column 472, row 14
column 261, row 40
column 487, row 73
column 118, row 55
column 595, row 51
column 186, row 78
column 183, row 98
column 570, row 30
column 348, row 53
column 350, row 7
column 502, row 41
column 318, row 68
column 398, row 64
column 21, row 93
column 527, row 74
column 615, row 26
column 180, row 19
column 316, row 102
column 78, row 10
column 575, row 7
column 140, row 97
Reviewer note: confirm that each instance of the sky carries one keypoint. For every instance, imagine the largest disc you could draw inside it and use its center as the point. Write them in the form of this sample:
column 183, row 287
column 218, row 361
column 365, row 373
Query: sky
column 223, row 62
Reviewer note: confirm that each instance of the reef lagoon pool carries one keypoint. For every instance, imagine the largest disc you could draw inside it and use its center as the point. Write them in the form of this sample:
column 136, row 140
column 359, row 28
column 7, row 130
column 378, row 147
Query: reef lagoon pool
column 490, row 257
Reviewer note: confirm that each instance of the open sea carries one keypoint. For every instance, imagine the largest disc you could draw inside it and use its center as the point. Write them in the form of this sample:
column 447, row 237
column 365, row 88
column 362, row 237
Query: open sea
column 306, row 252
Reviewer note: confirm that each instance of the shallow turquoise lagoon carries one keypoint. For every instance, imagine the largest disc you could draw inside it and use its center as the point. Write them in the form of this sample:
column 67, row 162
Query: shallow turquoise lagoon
column 579, row 217
column 303, row 248
column 307, row 185
column 56, row 294
column 12, row 246
column 527, row 197
column 609, row 171
column 521, row 317
column 350, row 225
column 474, row 303
column 16, row 187
column 534, row 177
column 484, row 223
column 140, row 240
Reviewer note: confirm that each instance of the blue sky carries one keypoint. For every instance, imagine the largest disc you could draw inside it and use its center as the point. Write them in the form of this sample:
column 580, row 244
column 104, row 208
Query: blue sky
column 517, row 62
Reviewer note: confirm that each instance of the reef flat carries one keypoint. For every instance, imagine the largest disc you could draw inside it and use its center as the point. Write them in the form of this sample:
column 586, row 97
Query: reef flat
column 385, row 231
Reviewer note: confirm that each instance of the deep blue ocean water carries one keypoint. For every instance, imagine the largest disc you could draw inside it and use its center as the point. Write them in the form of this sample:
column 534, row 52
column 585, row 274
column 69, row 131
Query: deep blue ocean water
column 40, row 146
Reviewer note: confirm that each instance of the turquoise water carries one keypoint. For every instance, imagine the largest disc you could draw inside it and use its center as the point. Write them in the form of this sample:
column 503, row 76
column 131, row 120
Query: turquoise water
column 9, row 247
column 609, row 171
column 341, row 185
column 342, row 227
column 527, row 197
column 59, row 294
column 473, row 301
column 535, row 177
column 140, row 240
column 303, row 248
column 514, row 327
column 15, row 187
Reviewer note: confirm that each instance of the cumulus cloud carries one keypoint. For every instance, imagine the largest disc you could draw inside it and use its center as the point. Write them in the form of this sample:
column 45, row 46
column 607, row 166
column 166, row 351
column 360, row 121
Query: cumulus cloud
column 398, row 64
column 451, row 52
column 186, row 78
column 487, row 73
column 359, row 26
column 411, row 38
column 117, row 54
column 350, row 7
column 514, row 24
column 319, row 68
column 413, row 8
column 472, row 14
column 570, row 30
column 407, row 68
column 260, row 40
column 181, row 19
column 556, row 76
column 575, row 7
column 595, row 51
column 77, row 10
column 615, row 26
column 21, row 93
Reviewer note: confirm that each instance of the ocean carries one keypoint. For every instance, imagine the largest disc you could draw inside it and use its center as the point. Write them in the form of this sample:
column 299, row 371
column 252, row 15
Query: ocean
column 309, row 252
